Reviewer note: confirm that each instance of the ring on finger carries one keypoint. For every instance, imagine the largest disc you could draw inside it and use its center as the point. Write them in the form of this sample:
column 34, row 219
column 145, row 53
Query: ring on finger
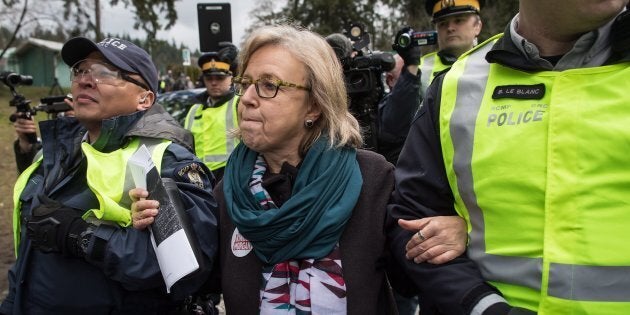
column 421, row 236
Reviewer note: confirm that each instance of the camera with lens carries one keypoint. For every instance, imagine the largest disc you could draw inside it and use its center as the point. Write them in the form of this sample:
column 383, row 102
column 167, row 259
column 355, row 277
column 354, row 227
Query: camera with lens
column 364, row 70
column 411, row 39
column 363, row 75
column 51, row 105
column 54, row 105
column 12, row 79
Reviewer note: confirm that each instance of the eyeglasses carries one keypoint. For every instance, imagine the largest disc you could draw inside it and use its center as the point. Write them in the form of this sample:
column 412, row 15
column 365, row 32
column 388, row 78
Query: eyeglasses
column 101, row 73
column 265, row 87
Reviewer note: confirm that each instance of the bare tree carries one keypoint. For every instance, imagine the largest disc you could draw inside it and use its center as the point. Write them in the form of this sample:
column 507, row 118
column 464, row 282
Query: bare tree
column 83, row 17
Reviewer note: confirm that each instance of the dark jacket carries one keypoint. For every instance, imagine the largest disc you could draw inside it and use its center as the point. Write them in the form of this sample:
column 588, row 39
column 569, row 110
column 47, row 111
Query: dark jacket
column 24, row 159
column 120, row 273
column 362, row 248
column 395, row 113
column 204, row 98
column 422, row 190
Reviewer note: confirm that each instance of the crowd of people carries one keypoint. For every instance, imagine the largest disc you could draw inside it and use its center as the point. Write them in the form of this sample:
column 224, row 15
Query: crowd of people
column 501, row 186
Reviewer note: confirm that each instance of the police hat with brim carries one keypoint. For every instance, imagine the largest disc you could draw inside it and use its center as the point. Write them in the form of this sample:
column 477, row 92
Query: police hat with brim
column 211, row 66
column 119, row 52
column 440, row 9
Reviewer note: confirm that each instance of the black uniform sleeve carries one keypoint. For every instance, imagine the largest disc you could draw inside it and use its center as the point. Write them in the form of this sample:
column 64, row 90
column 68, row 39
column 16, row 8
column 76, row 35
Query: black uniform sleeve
column 24, row 159
column 422, row 190
column 396, row 111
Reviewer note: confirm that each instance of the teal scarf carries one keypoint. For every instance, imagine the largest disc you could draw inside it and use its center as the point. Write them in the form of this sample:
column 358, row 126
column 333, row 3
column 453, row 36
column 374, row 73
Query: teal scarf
column 310, row 222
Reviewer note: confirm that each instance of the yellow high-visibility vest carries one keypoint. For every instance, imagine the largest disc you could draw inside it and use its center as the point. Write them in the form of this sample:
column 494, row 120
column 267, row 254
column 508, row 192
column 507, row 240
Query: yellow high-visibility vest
column 539, row 164
column 430, row 65
column 211, row 128
column 108, row 177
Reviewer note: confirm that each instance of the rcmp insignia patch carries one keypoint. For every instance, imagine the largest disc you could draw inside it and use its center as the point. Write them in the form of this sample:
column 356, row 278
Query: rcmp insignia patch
column 194, row 174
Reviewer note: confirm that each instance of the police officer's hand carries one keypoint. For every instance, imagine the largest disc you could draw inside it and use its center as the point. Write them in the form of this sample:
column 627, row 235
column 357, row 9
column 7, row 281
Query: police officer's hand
column 54, row 227
column 143, row 211
column 410, row 54
column 436, row 239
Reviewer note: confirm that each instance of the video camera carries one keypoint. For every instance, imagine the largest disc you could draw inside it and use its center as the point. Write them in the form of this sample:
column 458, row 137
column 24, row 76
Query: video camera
column 51, row 105
column 363, row 75
column 411, row 39
column 12, row 79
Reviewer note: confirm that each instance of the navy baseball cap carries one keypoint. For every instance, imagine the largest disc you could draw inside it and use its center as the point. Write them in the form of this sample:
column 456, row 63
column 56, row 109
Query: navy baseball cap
column 123, row 54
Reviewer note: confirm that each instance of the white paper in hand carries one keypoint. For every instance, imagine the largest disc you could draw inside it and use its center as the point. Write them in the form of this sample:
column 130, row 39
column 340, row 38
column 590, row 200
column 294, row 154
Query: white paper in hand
column 172, row 247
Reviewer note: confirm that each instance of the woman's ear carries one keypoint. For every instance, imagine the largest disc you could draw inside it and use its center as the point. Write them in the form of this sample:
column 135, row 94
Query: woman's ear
column 313, row 112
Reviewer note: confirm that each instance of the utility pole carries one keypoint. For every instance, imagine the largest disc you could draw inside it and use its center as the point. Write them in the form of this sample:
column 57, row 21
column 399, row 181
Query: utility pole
column 97, row 22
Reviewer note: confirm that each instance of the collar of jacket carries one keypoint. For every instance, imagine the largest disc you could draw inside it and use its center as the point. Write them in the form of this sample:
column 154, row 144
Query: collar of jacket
column 152, row 123
column 446, row 58
column 204, row 99
column 114, row 131
column 507, row 53
column 620, row 37
column 158, row 123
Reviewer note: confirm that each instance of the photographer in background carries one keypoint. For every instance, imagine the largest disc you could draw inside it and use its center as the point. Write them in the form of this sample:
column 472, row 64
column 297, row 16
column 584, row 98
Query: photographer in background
column 363, row 71
column 25, row 150
column 458, row 24
column 396, row 109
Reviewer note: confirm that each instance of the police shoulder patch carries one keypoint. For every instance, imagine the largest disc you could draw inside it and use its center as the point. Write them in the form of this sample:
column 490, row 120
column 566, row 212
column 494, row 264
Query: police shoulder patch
column 193, row 173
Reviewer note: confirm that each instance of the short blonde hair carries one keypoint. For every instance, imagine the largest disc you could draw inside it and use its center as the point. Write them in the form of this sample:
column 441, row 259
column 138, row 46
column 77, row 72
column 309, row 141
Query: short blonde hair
column 324, row 77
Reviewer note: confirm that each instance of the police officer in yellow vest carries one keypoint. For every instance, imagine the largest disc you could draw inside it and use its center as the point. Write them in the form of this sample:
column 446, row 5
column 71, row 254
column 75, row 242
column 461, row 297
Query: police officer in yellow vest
column 76, row 252
column 214, row 117
column 527, row 138
column 458, row 24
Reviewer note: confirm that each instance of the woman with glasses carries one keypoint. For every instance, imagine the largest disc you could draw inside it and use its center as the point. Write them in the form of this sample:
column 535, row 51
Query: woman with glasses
column 302, row 209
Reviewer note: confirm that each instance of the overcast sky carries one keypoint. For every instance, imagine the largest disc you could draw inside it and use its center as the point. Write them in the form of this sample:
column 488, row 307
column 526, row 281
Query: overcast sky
column 118, row 20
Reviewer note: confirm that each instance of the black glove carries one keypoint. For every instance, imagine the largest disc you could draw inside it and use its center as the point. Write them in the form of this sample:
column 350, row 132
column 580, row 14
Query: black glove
column 410, row 54
column 54, row 227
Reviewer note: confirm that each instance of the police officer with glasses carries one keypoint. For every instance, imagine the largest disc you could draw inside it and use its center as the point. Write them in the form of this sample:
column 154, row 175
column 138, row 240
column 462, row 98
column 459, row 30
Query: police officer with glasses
column 76, row 251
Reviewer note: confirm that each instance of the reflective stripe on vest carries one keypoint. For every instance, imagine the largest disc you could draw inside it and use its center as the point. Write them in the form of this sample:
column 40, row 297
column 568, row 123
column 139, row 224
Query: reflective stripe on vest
column 527, row 172
column 211, row 130
column 430, row 64
column 111, row 187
